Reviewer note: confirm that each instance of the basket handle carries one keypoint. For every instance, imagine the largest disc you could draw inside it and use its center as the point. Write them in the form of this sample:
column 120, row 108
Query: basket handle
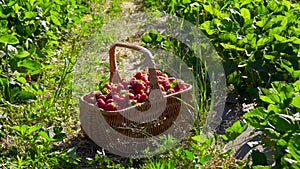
column 114, row 75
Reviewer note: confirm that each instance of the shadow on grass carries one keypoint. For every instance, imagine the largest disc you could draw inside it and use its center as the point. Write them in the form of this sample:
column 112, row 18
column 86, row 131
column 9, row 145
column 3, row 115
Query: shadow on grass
column 90, row 155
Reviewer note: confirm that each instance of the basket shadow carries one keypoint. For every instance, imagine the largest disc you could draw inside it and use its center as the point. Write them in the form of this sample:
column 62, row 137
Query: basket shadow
column 87, row 150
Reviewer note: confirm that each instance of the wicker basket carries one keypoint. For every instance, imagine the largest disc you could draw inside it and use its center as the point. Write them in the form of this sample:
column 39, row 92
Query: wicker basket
column 152, row 118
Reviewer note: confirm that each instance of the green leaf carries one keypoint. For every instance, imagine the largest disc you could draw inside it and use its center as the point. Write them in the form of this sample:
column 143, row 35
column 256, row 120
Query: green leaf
column 234, row 131
column 226, row 25
column 55, row 20
column 147, row 38
column 189, row 155
column 281, row 142
column 246, row 14
column 286, row 92
column 274, row 108
column 262, row 41
column 9, row 39
column 29, row 64
column 226, row 153
column 200, row 138
column 206, row 26
column 237, row 17
column 280, row 38
column 296, row 101
column 246, row 2
column 23, row 97
column 271, row 133
column 272, row 4
column 296, row 74
column 297, row 86
column 11, row 3
column 262, row 22
column 58, row 134
column 274, row 97
column 31, row 2
column 267, row 99
column 58, row 2
column 30, row 15
column 21, row 79
column 275, row 31
column 277, row 85
column 282, row 122
column 228, row 46
column 294, row 146
column 205, row 159
column 153, row 33
column 256, row 117
column 287, row 4
column 45, row 135
column 209, row 9
column 284, row 21
column 269, row 57
column 22, row 54
column 228, row 37
column 22, row 129
column 34, row 128
column 265, row 91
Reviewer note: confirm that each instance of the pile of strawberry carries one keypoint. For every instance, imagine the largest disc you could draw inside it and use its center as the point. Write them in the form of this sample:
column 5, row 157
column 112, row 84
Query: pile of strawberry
column 118, row 96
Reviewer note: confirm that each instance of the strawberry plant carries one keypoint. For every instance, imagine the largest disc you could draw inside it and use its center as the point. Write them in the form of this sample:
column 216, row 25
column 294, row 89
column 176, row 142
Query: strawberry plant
column 258, row 41
column 279, row 122
column 30, row 33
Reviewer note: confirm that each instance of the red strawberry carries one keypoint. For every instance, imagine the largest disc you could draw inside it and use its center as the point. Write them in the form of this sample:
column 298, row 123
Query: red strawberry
column 170, row 91
column 101, row 103
column 142, row 97
column 28, row 77
column 91, row 98
column 176, row 88
column 100, row 96
column 171, row 79
column 138, row 96
column 181, row 84
column 160, row 81
column 110, row 107
column 108, row 87
column 144, row 78
column 137, row 87
column 133, row 80
column 125, row 83
column 166, row 85
column 158, row 73
column 120, row 87
column 131, row 91
column 108, row 97
column 162, row 88
column 120, row 100
column 138, row 75
column 109, row 100
column 131, row 96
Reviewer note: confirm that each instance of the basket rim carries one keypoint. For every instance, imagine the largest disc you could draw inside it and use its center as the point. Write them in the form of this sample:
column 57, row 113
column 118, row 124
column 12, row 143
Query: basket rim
column 116, row 112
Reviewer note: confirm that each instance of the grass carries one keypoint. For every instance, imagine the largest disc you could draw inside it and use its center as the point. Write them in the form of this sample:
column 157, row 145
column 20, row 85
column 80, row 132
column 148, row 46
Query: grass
column 46, row 133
